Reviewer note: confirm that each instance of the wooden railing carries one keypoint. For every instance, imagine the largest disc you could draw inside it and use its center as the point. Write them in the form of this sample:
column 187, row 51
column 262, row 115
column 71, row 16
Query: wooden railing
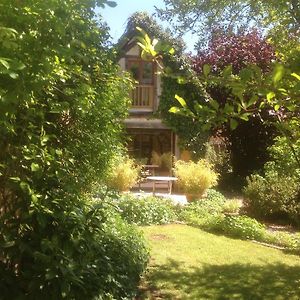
column 142, row 96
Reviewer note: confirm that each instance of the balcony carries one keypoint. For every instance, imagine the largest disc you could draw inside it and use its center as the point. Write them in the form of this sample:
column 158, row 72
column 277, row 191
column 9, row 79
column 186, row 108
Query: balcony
column 143, row 97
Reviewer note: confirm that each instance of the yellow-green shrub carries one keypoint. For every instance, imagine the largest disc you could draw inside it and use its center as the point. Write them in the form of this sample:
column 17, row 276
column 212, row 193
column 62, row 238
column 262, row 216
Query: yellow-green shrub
column 123, row 175
column 195, row 178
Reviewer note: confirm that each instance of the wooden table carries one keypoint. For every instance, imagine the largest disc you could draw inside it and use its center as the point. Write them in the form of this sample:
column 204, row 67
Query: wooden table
column 158, row 179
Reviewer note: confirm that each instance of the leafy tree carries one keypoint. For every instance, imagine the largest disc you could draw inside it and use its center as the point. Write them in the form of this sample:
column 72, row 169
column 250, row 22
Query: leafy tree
column 249, row 142
column 61, row 102
column 280, row 17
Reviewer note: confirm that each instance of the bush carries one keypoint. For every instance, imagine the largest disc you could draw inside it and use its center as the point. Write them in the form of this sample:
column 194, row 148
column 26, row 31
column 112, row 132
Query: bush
column 62, row 102
column 277, row 193
column 231, row 206
column 273, row 195
column 123, row 174
column 242, row 227
column 283, row 239
column 146, row 210
column 195, row 178
column 91, row 252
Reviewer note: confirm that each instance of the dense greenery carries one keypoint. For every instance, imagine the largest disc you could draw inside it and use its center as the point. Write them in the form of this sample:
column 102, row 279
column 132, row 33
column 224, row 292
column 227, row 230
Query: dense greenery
column 217, row 214
column 281, row 18
column 276, row 193
column 249, row 142
column 61, row 102
column 146, row 210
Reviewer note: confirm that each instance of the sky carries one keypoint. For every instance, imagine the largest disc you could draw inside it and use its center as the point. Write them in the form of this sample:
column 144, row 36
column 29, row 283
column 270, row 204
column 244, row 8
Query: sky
column 116, row 17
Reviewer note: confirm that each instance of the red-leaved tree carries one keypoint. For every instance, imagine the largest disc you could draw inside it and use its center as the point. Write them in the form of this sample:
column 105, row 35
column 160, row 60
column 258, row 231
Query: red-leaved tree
column 236, row 49
column 248, row 143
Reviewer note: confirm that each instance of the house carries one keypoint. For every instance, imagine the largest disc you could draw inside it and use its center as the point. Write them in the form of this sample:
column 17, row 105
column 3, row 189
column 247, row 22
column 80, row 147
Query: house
column 151, row 141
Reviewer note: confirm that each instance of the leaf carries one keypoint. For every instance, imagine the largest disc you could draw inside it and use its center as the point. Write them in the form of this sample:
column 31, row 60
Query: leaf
column 172, row 51
column 214, row 104
column 34, row 167
column 3, row 62
column 270, row 96
column 180, row 100
column 253, row 100
column 296, row 76
column 278, row 73
column 276, row 107
column 206, row 70
column 181, row 80
column 111, row 3
column 8, row 244
column 227, row 71
column 174, row 110
column 244, row 117
column 233, row 124
column 13, row 75
column 246, row 74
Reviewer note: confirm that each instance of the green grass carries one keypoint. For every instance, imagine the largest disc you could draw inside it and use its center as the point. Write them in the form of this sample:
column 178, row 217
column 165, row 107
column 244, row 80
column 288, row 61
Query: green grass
column 188, row 263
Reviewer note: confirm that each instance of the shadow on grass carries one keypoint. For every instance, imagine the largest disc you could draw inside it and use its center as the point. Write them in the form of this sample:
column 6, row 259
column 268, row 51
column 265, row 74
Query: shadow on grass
column 235, row 281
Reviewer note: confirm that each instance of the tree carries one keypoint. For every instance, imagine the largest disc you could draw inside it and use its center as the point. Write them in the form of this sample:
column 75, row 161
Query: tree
column 61, row 102
column 249, row 142
column 281, row 17
column 251, row 90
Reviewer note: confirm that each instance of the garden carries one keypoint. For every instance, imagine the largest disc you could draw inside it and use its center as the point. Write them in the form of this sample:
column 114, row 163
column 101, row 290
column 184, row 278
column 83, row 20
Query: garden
column 70, row 228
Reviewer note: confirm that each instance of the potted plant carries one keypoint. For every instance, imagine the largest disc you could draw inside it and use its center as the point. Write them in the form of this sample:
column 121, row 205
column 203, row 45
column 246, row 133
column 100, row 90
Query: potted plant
column 194, row 178
column 123, row 174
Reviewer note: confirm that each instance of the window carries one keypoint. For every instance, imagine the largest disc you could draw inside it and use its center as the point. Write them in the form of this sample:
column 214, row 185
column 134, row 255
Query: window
column 142, row 71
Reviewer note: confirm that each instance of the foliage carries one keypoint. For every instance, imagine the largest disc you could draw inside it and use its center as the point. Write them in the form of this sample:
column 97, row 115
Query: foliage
column 273, row 195
column 212, row 204
column 123, row 174
column 248, row 142
column 280, row 18
column 89, row 253
column 235, row 49
column 146, row 210
column 61, row 102
column 283, row 239
column 277, row 191
column 242, row 227
column 141, row 21
column 232, row 206
column 217, row 154
column 195, row 178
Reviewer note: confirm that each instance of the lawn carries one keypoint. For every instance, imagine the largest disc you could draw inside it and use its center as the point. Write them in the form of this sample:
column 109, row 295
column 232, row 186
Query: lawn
column 188, row 263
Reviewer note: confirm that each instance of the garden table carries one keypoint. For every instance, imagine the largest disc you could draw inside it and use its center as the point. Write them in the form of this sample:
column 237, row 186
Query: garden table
column 158, row 179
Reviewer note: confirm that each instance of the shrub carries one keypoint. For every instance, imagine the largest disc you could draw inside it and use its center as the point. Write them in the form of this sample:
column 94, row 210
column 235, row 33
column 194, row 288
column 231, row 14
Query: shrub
column 231, row 206
column 204, row 212
column 273, row 195
column 195, row 178
column 62, row 102
column 123, row 174
column 146, row 210
column 278, row 191
column 91, row 252
column 283, row 239
column 242, row 227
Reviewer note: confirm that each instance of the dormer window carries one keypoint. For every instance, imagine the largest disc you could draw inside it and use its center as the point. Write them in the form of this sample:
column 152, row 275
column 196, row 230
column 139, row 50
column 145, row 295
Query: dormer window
column 143, row 72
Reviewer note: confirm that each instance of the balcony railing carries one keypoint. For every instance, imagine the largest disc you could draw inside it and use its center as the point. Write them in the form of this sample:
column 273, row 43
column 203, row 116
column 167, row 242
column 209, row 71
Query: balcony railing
column 142, row 96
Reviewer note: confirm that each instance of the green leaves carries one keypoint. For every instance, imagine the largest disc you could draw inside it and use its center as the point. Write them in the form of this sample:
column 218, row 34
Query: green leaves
column 206, row 70
column 180, row 100
column 233, row 124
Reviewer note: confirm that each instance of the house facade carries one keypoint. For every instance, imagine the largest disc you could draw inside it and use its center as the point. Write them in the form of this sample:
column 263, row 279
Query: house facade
column 150, row 141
